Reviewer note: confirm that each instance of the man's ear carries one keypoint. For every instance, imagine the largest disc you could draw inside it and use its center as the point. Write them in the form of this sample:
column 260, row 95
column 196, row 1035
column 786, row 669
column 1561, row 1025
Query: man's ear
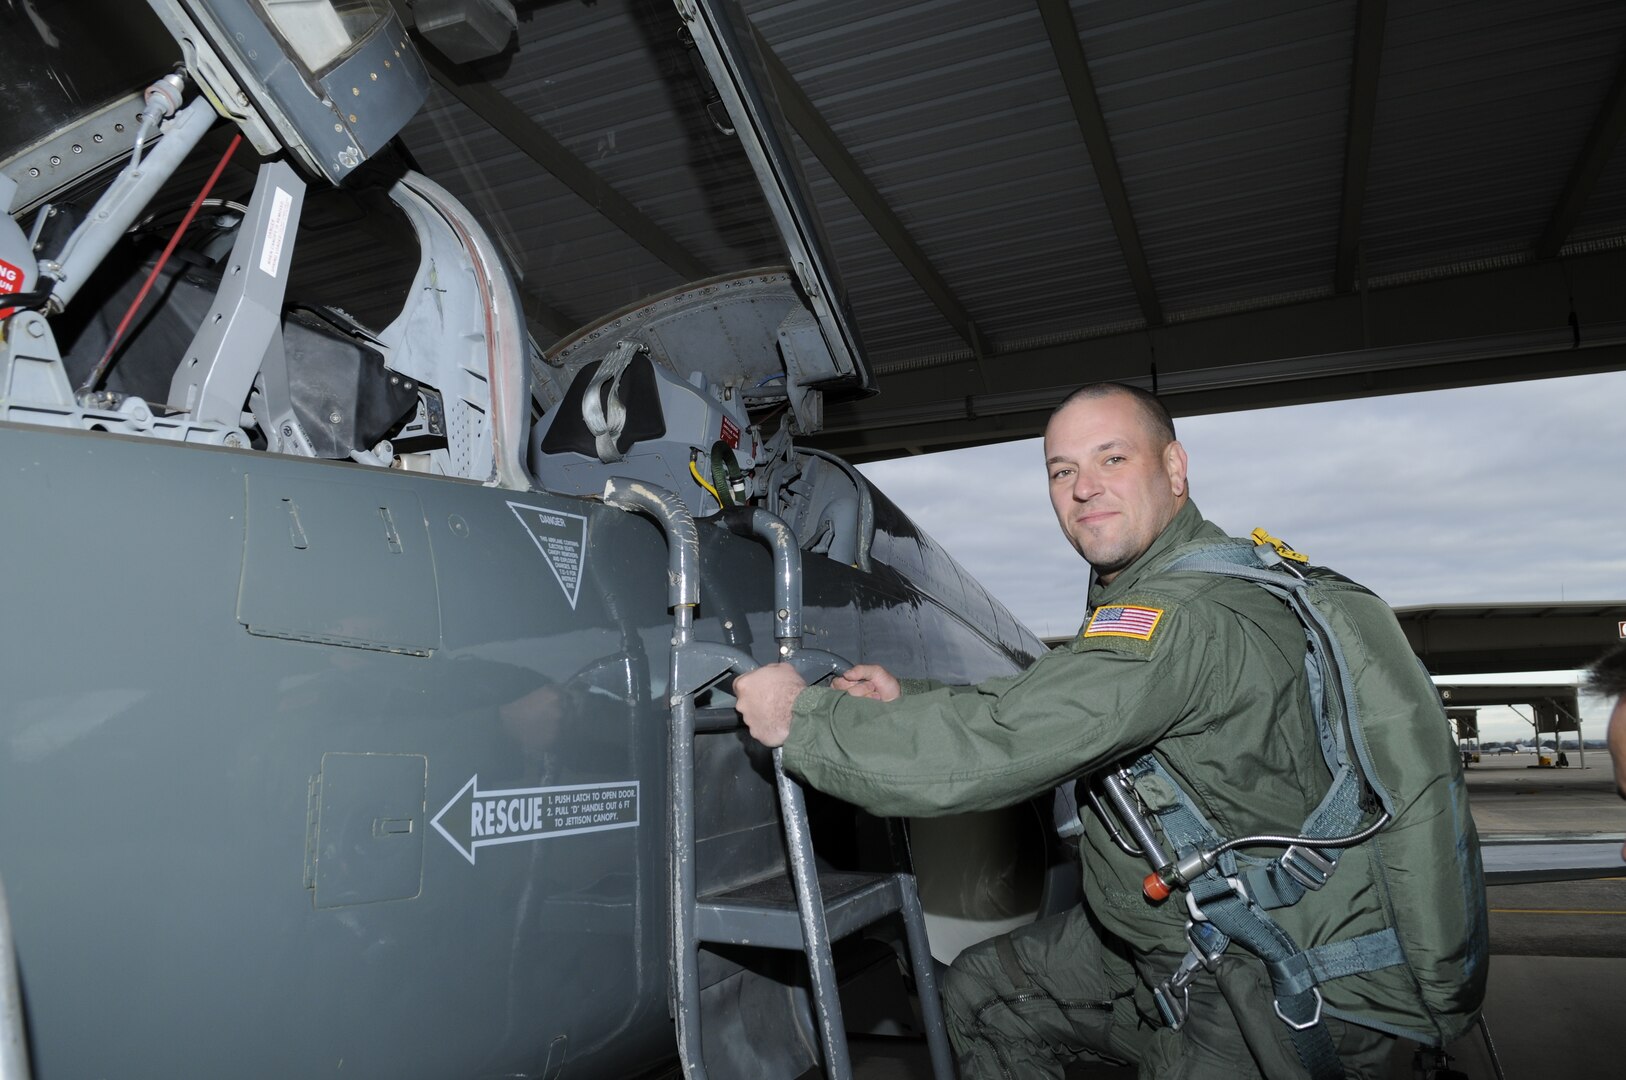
column 1174, row 464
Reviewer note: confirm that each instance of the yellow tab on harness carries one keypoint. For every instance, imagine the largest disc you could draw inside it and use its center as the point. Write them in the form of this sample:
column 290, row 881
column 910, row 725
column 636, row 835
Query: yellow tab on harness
column 1260, row 536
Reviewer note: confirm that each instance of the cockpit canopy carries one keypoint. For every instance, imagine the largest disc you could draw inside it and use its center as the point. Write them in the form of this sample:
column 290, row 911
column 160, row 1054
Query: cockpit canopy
column 292, row 282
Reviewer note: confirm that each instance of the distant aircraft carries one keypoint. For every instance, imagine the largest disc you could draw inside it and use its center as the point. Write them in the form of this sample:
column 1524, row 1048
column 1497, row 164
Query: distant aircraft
column 337, row 701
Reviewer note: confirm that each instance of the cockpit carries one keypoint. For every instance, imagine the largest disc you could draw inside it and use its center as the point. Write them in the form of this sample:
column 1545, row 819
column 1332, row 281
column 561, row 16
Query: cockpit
column 263, row 225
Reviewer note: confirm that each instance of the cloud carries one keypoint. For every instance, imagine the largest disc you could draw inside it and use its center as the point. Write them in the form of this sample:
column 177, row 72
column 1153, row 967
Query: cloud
column 1485, row 494
column 1489, row 494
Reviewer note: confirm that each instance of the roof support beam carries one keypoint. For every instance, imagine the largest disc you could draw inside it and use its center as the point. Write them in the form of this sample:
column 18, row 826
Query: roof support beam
column 1075, row 72
column 1430, row 335
column 1370, row 16
column 847, row 173
column 509, row 121
column 1600, row 144
column 1001, row 417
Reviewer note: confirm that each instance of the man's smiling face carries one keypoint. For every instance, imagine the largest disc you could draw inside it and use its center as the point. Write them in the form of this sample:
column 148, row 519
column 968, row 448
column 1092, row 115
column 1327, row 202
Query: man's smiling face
column 1115, row 483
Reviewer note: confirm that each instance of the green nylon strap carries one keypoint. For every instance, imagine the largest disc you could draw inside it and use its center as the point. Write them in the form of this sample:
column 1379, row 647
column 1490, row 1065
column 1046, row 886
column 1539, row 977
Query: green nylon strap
column 1339, row 812
column 724, row 472
column 1369, row 952
column 1315, row 1048
column 1241, row 915
column 1238, row 920
column 1243, row 562
column 1014, row 971
column 1297, row 1002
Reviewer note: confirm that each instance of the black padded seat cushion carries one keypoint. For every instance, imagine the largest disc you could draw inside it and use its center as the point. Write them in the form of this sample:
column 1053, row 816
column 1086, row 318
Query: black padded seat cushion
column 568, row 432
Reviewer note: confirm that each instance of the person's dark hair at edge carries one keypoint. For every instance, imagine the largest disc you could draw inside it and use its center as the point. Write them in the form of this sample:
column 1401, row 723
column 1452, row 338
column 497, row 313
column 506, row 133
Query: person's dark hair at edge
column 1607, row 675
column 1156, row 415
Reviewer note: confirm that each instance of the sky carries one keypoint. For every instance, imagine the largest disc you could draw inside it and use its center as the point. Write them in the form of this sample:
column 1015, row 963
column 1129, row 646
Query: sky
column 1488, row 494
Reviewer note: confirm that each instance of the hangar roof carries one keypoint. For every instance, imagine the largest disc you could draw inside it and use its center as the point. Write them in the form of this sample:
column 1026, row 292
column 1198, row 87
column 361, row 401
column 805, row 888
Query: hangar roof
column 1462, row 639
column 1242, row 203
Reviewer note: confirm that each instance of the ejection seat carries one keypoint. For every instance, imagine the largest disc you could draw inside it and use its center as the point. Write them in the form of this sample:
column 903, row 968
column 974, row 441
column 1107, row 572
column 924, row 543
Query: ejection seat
column 803, row 908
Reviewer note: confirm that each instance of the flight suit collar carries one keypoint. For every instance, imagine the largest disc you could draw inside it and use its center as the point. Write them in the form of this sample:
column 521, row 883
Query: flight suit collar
column 1187, row 525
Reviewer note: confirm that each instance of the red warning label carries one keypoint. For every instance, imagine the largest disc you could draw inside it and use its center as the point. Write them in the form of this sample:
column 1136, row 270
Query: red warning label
column 730, row 433
column 11, row 280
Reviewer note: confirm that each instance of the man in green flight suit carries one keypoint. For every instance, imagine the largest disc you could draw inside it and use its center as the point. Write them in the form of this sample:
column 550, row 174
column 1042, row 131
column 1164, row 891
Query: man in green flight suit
column 1208, row 670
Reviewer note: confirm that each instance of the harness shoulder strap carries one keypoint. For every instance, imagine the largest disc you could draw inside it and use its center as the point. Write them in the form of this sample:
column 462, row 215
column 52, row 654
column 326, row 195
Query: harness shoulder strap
column 1235, row 895
column 1218, row 903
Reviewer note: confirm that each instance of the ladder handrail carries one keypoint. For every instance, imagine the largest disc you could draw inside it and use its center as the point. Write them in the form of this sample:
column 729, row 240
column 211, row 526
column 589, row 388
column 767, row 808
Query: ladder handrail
column 13, row 1036
column 683, row 594
column 695, row 665
column 816, row 943
column 787, row 555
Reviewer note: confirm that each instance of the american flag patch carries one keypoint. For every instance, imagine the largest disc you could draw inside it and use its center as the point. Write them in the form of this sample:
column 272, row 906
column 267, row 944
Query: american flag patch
column 1124, row 620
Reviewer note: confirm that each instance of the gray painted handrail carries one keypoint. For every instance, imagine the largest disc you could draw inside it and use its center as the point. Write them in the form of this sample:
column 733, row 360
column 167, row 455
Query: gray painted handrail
column 13, row 1040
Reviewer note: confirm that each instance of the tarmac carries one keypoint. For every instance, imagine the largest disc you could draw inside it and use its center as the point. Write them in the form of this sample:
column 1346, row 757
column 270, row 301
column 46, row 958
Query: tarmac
column 1558, row 949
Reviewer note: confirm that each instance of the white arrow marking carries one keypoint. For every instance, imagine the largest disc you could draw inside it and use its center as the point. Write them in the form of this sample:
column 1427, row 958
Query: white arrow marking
column 500, row 817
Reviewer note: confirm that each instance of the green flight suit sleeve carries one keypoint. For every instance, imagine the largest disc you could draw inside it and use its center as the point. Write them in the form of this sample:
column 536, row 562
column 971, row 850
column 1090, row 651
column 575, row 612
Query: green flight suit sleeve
column 949, row 750
column 926, row 686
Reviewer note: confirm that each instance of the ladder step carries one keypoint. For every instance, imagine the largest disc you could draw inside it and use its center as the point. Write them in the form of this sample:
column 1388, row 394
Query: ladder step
column 764, row 913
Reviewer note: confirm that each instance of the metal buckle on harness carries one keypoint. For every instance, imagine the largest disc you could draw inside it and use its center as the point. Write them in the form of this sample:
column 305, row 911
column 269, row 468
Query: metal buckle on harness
column 1203, row 947
column 1174, row 1010
column 1307, row 866
column 1173, row 995
column 1308, row 1024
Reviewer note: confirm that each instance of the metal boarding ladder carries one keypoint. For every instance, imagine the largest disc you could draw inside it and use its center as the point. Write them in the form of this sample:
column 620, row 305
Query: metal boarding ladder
column 801, row 912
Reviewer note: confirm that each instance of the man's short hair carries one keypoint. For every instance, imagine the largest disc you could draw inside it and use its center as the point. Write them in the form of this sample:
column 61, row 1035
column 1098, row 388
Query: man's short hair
column 1607, row 675
column 1153, row 411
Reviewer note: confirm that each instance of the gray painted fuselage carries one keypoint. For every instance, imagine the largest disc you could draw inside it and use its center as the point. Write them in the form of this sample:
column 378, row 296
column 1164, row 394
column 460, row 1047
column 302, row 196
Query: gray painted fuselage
column 223, row 758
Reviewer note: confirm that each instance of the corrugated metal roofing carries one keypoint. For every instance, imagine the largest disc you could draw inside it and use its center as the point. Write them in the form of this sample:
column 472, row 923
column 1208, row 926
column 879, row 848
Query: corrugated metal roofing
column 1482, row 111
column 958, row 116
column 1606, row 210
column 612, row 83
column 1227, row 121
